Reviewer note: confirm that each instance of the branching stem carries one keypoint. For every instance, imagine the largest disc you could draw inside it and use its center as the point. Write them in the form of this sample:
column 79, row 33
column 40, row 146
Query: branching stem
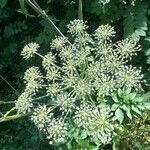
column 41, row 12
column 9, row 84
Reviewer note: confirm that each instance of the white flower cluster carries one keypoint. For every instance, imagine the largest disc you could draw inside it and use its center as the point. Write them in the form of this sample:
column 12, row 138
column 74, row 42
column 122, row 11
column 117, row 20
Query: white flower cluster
column 96, row 121
column 24, row 103
column 93, row 65
column 77, row 27
column 33, row 80
column 57, row 131
column 58, row 43
column 48, row 61
column 130, row 76
column 41, row 116
column 83, row 115
column 31, row 74
column 29, row 50
column 104, row 32
column 127, row 48
column 65, row 102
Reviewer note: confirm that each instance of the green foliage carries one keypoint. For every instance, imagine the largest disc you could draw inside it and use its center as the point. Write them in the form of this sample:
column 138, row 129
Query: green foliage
column 69, row 89
column 129, row 104
column 130, row 109
column 135, row 22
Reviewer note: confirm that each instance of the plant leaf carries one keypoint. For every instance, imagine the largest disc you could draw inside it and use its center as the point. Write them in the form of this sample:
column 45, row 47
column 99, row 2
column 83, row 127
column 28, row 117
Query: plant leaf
column 119, row 115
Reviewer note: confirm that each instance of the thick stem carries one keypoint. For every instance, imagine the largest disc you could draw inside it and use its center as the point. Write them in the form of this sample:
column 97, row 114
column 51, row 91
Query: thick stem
column 9, row 102
column 5, row 118
column 80, row 10
column 11, row 110
column 13, row 117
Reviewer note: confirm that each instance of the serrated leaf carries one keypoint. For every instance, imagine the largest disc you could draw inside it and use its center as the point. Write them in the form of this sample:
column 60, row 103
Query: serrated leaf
column 83, row 143
column 115, row 99
column 119, row 92
column 132, row 96
column 127, row 109
column 140, row 32
column 147, row 105
column 142, row 107
column 119, row 115
column 127, row 91
column 147, row 39
column 147, row 52
column 139, row 99
column 114, row 107
column 83, row 134
column 128, row 26
column 136, row 110
column 135, row 36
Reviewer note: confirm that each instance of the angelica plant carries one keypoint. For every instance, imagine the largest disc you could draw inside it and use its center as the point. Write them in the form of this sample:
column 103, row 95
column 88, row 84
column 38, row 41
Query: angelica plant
column 64, row 93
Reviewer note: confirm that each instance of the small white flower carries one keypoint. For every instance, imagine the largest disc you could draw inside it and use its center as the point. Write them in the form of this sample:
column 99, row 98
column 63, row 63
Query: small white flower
column 33, row 80
column 66, row 53
column 52, row 74
column 24, row 103
column 105, row 85
column 83, row 115
column 58, row 43
column 104, row 32
column 82, row 87
column 100, row 126
column 53, row 89
column 57, row 131
column 41, row 116
column 77, row 27
column 48, row 60
column 129, row 77
column 29, row 50
column 32, row 74
column 127, row 48
column 65, row 102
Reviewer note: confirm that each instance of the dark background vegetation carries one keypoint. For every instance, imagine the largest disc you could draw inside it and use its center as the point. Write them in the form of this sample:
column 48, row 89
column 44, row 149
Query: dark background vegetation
column 20, row 25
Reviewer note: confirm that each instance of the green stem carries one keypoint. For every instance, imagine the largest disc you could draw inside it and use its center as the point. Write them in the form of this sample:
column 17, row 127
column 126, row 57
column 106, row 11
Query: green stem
column 11, row 110
column 47, row 58
column 5, row 118
column 9, row 102
column 80, row 10
column 41, row 12
column 1, row 114
column 40, row 97
column 13, row 117
column 9, row 84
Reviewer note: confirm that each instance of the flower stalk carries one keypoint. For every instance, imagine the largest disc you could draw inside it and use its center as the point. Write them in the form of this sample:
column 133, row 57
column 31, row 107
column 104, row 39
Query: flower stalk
column 80, row 11
column 43, row 14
